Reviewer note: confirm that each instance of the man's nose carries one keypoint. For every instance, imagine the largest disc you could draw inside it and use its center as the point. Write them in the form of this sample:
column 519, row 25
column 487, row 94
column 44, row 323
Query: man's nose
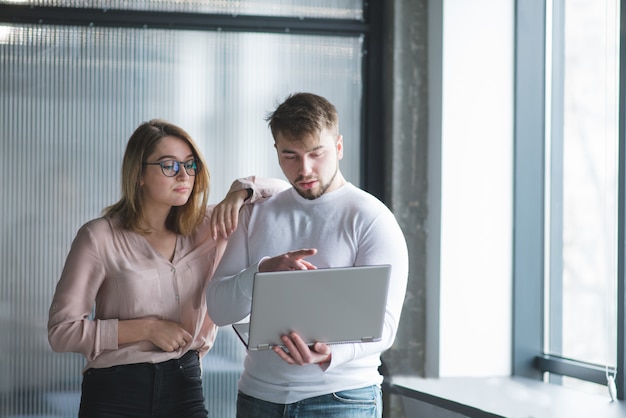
column 305, row 167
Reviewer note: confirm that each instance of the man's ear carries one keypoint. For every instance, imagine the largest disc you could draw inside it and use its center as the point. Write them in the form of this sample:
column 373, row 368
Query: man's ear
column 339, row 147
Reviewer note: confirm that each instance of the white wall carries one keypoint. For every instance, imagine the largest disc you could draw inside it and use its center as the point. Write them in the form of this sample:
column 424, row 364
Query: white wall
column 473, row 131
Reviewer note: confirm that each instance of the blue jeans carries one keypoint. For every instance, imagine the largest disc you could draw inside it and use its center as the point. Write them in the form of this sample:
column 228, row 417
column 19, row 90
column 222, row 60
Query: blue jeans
column 145, row 390
column 357, row 403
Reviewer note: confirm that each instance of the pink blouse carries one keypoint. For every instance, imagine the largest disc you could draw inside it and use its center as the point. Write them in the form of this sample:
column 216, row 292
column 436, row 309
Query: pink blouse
column 116, row 270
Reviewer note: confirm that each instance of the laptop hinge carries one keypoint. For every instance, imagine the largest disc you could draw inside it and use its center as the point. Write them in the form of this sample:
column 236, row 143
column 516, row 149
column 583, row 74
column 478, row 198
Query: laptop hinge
column 263, row 347
column 367, row 339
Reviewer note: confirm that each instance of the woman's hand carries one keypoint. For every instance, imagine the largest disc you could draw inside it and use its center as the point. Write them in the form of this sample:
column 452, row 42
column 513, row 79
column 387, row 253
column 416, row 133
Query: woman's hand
column 167, row 335
column 225, row 215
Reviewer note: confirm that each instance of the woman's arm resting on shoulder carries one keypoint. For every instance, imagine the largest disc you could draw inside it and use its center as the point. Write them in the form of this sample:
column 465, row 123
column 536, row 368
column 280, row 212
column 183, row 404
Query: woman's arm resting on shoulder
column 251, row 189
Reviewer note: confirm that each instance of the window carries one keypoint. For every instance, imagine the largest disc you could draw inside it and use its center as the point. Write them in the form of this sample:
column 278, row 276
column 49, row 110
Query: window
column 582, row 182
column 566, row 209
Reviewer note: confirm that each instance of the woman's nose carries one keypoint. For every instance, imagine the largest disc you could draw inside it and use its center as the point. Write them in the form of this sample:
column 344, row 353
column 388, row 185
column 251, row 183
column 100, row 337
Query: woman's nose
column 182, row 173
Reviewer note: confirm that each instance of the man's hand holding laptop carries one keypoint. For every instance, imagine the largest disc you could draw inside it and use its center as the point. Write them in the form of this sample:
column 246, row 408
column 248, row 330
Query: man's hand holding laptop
column 296, row 351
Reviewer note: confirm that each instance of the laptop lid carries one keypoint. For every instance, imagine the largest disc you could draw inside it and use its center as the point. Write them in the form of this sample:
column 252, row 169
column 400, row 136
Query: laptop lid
column 333, row 305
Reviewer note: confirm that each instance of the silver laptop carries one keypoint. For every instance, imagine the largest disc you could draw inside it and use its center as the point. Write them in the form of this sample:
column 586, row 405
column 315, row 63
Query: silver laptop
column 334, row 305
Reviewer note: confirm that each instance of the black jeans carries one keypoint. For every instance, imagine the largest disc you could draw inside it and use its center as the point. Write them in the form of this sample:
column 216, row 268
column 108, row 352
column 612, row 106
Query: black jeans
column 145, row 390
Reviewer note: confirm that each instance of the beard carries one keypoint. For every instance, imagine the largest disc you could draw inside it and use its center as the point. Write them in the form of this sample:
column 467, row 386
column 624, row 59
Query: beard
column 312, row 194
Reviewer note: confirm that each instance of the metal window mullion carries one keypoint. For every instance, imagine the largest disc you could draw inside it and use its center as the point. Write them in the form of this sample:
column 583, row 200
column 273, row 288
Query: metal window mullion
column 620, row 378
column 556, row 141
column 373, row 170
column 528, row 204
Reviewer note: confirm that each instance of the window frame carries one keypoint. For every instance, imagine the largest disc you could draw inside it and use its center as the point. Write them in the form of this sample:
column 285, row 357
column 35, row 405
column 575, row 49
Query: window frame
column 620, row 376
column 528, row 357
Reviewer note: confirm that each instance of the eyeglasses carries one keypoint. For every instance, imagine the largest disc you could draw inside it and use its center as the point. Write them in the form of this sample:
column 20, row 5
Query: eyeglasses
column 170, row 168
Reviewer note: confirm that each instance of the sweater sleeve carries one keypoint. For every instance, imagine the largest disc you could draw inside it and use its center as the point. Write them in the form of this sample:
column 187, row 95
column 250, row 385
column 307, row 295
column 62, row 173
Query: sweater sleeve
column 229, row 293
column 262, row 188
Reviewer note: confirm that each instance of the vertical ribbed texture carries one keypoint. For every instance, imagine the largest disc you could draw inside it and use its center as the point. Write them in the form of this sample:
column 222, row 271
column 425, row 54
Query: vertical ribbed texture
column 69, row 100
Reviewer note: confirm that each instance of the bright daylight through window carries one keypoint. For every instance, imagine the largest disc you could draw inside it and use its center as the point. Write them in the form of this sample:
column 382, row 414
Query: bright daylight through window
column 581, row 188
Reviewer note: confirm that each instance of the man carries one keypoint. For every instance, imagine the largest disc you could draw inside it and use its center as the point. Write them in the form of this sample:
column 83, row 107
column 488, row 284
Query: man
column 322, row 221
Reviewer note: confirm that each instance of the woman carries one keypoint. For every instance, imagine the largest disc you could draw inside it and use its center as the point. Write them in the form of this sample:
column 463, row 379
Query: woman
column 145, row 264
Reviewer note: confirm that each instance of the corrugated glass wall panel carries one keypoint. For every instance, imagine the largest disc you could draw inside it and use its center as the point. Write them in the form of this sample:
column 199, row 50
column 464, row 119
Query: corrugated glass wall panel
column 331, row 9
column 69, row 99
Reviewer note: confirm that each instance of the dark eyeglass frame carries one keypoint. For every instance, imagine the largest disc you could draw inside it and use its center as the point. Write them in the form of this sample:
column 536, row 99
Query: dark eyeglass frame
column 189, row 165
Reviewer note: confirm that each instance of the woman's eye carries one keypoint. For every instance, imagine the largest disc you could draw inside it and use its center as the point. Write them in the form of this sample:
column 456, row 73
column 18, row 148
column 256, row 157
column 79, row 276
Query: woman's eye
column 168, row 166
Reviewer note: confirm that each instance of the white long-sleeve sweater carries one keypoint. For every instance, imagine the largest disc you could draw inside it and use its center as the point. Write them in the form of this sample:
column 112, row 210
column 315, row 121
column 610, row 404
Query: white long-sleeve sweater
column 349, row 227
